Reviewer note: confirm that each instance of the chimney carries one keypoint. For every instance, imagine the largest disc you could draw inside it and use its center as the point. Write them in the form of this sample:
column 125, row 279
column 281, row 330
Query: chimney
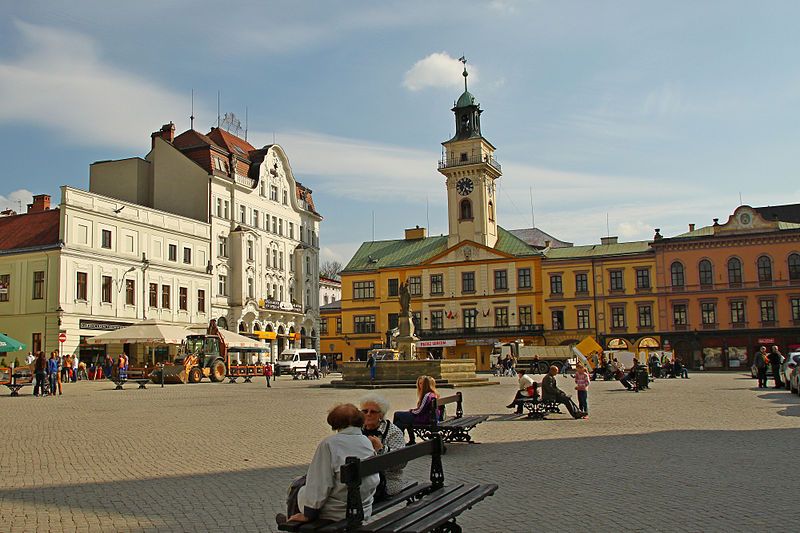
column 167, row 132
column 691, row 227
column 547, row 244
column 415, row 233
column 41, row 202
column 608, row 240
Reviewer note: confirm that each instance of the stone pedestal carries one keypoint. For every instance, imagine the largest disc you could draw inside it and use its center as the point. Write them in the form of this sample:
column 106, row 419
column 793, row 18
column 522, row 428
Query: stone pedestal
column 407, row 346
column 448, row 373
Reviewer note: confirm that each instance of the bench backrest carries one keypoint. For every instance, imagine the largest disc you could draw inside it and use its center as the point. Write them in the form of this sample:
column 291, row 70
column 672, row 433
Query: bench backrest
column 355, row 469
column 456, row 398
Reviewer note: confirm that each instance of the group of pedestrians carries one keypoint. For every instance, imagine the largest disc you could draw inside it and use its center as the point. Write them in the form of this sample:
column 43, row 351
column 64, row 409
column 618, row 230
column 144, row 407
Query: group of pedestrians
column 47, row 373
column 769, row 361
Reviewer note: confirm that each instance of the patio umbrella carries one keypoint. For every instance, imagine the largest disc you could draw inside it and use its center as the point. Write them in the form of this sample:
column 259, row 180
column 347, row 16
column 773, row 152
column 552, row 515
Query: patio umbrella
column 7, row 344
column 145, row 332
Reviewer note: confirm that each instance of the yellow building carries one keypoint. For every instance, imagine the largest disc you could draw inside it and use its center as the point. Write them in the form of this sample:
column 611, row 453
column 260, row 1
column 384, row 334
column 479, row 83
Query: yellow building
column 607, row 291
column 471, row 288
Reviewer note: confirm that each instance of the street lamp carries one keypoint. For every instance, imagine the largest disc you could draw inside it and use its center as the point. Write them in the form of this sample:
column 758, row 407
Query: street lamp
column 145, row 265
column 60, row 313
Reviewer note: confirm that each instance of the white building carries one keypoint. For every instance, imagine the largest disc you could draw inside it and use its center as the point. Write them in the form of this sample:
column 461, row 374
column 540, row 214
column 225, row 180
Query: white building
column 264, row 229
column 330, row 290
column 97, row 264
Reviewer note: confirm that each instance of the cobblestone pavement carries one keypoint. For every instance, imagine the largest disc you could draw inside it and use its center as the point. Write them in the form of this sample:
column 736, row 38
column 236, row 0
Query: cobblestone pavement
column 711, row 453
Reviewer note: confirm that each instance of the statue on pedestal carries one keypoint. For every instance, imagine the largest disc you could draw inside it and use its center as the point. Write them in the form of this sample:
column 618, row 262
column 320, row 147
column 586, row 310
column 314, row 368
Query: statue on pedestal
column 406, row 340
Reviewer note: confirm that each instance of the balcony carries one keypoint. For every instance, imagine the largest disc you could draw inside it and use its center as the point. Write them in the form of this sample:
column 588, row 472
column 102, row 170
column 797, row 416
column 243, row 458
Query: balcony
column 458, row 162
column 473, row 333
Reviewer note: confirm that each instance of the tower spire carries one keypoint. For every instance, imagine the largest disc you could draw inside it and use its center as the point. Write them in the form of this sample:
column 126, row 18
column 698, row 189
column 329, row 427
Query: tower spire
column 465, row 74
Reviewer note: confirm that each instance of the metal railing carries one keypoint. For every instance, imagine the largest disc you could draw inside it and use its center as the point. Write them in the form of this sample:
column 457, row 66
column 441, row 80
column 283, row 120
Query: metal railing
column 458, row 162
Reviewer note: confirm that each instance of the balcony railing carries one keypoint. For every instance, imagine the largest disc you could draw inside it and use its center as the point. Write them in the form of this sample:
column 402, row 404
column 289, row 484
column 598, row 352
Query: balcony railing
column 458, row 162
column 471, row 333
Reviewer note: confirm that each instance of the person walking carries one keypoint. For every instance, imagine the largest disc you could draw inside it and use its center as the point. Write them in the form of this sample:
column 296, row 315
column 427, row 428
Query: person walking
column 760, row 363
column 75, row 364
column 582, row 386
column 775, row 360
column 372, row 364
column 40, row 371
column 268, row 373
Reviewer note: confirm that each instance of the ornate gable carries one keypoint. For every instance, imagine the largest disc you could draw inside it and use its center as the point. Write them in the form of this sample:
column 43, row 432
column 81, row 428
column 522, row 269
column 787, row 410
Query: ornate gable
column 467, row 251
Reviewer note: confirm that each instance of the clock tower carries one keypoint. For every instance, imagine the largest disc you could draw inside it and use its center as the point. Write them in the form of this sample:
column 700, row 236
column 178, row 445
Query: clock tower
column 470, row 170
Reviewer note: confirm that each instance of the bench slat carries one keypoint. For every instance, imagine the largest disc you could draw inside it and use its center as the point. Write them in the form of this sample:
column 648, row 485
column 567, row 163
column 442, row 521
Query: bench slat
column 463, row 421
column 406, row 516
column 381, row 463
column 408, row 492
column 452, row 510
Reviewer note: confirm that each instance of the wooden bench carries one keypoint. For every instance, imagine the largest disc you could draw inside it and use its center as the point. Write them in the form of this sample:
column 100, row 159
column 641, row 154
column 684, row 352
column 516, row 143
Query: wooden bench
column 418, row 508
column 140, row 376
column 248, row 372
column 538, row 408
column 21, row 377
column 453, row 429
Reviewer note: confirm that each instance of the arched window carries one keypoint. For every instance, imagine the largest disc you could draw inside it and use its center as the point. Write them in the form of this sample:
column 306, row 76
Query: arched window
column 677, row 274
column 764, row 269
column 794, row 267
column 466, row 210
column 734, row 271
column 491, row 211
column 706, row 272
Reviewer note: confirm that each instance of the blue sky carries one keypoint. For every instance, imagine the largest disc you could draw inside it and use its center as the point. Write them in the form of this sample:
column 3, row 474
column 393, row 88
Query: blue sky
column 645, row 114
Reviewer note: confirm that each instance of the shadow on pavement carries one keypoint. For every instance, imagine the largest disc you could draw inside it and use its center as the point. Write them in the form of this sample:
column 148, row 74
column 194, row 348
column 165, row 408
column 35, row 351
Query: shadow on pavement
column 695, row 480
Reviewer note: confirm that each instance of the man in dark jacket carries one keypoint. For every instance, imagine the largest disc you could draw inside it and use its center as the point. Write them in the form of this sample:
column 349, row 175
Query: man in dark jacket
column 371, row 364
column 550, row 391
column 775, row 358
column 761, row 367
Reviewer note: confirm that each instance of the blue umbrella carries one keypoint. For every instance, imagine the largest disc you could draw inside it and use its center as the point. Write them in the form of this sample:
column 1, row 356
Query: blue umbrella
column 7, row 344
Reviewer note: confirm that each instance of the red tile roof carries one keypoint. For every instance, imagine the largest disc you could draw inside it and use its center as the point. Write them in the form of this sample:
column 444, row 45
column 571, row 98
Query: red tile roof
column 29, row 230
column 192, row 139
column 231, row 142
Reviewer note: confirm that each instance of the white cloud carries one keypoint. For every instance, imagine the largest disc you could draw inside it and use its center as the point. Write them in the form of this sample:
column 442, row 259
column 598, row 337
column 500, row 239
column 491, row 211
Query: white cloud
column 438, row 70
column 61, row 82
column 17, row 200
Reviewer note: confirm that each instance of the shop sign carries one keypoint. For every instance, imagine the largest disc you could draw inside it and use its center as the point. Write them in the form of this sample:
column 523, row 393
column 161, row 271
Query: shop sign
column 481, row 342
column 280, row 306
column 435, row 344
column 766, row 341
column 97, row 325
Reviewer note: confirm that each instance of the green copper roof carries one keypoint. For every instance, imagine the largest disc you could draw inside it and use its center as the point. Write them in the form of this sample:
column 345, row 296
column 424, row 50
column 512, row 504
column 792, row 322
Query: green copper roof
column 598, row 250
column 376, row 255
column 466, row 100
column 509, row 243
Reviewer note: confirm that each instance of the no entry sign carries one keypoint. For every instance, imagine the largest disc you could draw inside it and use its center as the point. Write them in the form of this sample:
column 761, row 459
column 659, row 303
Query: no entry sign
column 62, row 337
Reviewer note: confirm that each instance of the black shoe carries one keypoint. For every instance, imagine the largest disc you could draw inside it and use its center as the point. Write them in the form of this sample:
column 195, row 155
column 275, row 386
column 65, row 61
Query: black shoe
column 518, row 411
column 511, row 405
column 280, row 518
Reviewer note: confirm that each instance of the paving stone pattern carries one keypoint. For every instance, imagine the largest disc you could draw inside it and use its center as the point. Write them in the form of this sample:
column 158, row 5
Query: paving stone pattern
column 711, row 453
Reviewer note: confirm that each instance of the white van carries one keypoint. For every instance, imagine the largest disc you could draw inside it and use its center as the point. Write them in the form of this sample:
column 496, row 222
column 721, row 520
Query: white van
column 295, row 360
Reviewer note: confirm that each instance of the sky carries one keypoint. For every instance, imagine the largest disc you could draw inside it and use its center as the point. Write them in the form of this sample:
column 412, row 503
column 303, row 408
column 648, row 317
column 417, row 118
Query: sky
column 609, row 117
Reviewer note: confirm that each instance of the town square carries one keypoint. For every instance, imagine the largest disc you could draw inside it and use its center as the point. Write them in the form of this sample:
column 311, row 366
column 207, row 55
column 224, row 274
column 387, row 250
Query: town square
column 704, row 454
column 473, row 265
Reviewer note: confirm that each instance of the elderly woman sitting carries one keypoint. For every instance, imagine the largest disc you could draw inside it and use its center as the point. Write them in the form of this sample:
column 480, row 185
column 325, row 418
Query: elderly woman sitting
column 324, row 496
column 385, row 437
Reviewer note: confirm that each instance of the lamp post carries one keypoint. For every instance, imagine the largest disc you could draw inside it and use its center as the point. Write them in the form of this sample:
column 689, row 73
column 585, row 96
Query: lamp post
column 145, row 265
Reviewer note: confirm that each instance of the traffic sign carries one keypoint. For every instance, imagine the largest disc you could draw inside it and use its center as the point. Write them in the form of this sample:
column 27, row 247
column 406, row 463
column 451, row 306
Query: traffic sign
column 62, row 337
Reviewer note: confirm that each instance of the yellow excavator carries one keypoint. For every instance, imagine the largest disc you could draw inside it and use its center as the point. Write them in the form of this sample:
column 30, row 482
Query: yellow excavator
column 204, row 355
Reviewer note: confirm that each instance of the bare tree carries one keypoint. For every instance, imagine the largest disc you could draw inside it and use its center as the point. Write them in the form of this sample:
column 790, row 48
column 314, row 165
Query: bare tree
column 330, row 269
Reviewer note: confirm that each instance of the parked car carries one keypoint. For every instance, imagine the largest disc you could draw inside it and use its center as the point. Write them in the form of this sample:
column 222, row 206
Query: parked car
column 794, row 379
column 790, row 362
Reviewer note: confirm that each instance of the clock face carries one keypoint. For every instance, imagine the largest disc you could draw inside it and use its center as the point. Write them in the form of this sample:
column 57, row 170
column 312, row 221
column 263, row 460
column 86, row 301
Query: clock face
column 744, row 218
column 464, row 186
